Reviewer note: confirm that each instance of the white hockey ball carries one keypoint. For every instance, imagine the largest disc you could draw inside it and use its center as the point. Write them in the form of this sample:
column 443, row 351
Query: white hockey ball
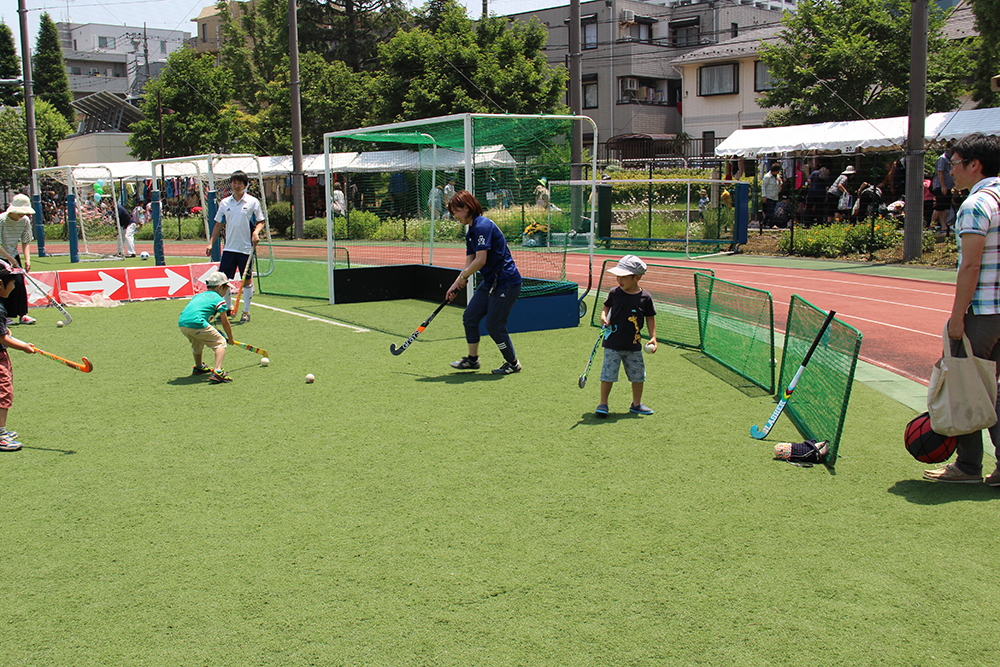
column 310, row 378
column 264, row 361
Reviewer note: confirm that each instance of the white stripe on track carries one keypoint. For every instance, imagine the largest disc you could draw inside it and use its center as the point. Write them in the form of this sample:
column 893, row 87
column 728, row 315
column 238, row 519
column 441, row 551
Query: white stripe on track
column 311, row 318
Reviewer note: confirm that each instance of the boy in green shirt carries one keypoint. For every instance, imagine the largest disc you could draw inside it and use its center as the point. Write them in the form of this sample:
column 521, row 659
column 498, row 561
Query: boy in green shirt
column 194, row 324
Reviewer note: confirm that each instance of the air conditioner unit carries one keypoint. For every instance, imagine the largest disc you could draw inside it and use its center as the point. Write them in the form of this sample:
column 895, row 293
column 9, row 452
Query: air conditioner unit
column 628, row 16
column 630, row 83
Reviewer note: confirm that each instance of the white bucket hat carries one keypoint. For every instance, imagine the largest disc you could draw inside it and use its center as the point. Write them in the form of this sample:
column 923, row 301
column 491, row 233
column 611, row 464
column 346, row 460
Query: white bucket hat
column 21, row 204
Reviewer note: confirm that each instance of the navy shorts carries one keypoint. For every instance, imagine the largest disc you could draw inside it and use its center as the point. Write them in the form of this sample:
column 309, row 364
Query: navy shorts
column 232, row 262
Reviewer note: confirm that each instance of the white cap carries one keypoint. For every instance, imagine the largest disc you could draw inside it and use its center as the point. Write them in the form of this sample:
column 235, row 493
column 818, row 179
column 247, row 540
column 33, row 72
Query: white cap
column 629, row 265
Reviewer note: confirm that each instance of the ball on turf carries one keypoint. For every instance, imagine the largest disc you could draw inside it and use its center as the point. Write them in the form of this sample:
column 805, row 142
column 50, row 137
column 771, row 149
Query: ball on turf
column 143, row 255
column 925, row 445
column 59, row 323
column 649, row 348
column 264, row 361
column 310, row 378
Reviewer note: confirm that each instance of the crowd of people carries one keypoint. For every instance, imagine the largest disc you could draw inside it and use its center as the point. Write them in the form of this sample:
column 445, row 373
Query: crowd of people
column 814, row 192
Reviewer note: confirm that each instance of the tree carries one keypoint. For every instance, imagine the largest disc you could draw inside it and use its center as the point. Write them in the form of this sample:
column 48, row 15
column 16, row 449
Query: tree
column 464, row 67
column 199, row 114
column 50, row 81
column 987, row 52
column 50, row 127
column 841, row 59
column 10, row 68
column 333, row 98
column 255, row 47
column 350, row 30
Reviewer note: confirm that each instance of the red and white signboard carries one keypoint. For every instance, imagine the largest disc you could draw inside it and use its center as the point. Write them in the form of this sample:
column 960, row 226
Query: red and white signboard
column 47, row 281
column 109, row 282
column 198, row 273
column 159, row 282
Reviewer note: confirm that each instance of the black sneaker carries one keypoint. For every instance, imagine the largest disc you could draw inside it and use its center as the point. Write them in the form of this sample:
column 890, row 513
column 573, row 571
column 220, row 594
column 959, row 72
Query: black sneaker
column 466, row 364
column 508, row 368
column 219, row 377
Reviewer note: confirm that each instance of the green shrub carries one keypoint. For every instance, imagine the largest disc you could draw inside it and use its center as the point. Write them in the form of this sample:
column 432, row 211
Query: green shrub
column 315, row 228
column 356, row 225
column 838, row 240
column 280, row 218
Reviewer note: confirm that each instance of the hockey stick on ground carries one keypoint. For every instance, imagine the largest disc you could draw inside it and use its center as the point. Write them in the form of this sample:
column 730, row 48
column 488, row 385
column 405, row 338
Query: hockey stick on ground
column 59, row 306
column 262, row 352
column 601, row 336
column 761, row 434
column 84, row 367
column 398, row 351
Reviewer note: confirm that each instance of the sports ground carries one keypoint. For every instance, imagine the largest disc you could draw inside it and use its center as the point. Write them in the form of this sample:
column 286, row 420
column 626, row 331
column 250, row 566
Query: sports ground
column 397, row 512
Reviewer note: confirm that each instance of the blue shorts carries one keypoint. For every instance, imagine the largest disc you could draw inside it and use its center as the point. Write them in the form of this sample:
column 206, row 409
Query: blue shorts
column 231, row 261
column 635, row 367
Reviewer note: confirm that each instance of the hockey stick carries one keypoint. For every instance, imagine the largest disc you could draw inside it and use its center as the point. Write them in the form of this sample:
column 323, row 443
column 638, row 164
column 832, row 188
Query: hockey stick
column 59, row 306
column 761, row 434
column 601, row 336
column 85, row 367
column 398, row 351
column 262, row 352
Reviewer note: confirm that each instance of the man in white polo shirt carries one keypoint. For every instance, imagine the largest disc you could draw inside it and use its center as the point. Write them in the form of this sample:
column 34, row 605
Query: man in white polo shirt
column 243, row 219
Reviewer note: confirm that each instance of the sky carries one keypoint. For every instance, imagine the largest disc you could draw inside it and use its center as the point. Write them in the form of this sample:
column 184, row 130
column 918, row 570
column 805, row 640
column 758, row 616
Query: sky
column 177, row 14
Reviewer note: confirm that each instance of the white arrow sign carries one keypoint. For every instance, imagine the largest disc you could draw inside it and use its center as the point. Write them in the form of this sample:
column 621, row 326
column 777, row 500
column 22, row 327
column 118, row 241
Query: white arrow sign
column 172, row 281
column 108, row 285
column 35, row 291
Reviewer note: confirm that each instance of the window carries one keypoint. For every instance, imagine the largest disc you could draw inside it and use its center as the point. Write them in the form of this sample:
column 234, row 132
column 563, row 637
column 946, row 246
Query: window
column 163, row 47
column 105, row 42
column 708, row 143
column 734, row 30
column 76, row 70
column 761, row 77
column 204, row 32
column 685, row 32
column 94, row 71
column 718, row 80
column 590, row 95
column 589, row 35
column 640, row 31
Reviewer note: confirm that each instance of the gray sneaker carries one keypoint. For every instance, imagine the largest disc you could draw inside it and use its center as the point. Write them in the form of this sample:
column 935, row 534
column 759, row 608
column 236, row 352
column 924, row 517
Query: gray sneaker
column 641, row 409
column 466, row 364
column 508, row 368
column 994, row 478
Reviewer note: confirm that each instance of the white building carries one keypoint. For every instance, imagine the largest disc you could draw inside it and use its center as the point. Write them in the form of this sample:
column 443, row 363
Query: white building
column 114, row 58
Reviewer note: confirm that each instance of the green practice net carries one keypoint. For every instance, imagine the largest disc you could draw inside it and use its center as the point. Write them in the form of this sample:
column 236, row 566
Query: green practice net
column 818, row 406
column 737, row 328
column 394, row 183
column 672, row 288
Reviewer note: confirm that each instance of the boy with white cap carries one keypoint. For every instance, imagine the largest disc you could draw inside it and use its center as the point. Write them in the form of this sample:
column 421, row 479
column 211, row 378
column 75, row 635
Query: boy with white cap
column 194, row 324
column 625, row 310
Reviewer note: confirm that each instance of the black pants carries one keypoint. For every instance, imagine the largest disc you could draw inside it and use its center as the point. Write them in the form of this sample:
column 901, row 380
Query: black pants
column 16, row 303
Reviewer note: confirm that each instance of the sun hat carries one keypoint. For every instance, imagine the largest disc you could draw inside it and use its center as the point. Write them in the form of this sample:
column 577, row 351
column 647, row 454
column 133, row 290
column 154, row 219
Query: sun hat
column 216, row 278
column 21, row 204
column 850, row 169
column 629, row 265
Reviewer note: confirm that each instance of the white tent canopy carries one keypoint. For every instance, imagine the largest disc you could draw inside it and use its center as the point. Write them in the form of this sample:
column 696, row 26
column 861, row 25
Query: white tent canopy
column 881, row 134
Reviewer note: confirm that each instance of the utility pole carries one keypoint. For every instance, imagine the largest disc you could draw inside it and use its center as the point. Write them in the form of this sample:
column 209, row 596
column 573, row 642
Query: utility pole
column 913, row 223
column 298, row 185
column 576, row 107
column 29, row 96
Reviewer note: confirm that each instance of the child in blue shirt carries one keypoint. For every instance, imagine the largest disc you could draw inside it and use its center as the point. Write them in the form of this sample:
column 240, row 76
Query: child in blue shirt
column 627, row 307
column 194, row 324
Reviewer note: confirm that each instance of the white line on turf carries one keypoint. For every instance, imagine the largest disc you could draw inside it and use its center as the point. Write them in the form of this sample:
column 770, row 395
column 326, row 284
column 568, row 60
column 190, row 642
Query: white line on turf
column 313, row 319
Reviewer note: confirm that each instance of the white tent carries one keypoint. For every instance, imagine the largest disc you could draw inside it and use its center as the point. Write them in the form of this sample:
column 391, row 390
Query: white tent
column 880, row 134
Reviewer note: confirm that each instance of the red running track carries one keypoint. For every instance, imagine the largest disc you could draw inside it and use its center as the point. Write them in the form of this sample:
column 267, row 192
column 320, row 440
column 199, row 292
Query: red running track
column 901, row 320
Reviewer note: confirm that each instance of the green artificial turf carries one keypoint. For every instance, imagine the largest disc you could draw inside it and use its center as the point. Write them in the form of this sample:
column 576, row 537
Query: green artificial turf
column 397, row 512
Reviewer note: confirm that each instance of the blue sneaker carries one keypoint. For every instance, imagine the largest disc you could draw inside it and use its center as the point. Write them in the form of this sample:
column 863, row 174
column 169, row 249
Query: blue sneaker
column 8, row 444
column 641, row 409
column 602, row 410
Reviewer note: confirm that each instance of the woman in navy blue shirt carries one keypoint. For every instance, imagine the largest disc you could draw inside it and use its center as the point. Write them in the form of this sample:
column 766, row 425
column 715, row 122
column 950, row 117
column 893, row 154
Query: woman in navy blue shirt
column 485, row 250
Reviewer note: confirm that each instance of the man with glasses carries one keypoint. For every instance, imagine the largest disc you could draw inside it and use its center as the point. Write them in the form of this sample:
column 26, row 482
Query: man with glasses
column 975, row 163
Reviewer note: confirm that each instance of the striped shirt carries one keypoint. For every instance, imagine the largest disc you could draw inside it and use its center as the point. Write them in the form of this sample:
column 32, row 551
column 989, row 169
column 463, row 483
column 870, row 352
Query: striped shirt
column 13, row 232
column 980, row 214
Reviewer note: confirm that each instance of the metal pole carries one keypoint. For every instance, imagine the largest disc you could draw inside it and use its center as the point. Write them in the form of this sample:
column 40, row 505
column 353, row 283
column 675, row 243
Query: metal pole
column 298, row 184
column 576, row 107
column 29, row 122
column 913, row 225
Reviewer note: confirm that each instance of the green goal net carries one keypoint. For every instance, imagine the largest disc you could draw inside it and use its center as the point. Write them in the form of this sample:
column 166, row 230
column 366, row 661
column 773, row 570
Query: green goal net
column 818, row 406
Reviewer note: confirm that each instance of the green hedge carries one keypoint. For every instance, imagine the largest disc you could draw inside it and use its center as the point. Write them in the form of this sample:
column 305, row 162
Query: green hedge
column 837, row 240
